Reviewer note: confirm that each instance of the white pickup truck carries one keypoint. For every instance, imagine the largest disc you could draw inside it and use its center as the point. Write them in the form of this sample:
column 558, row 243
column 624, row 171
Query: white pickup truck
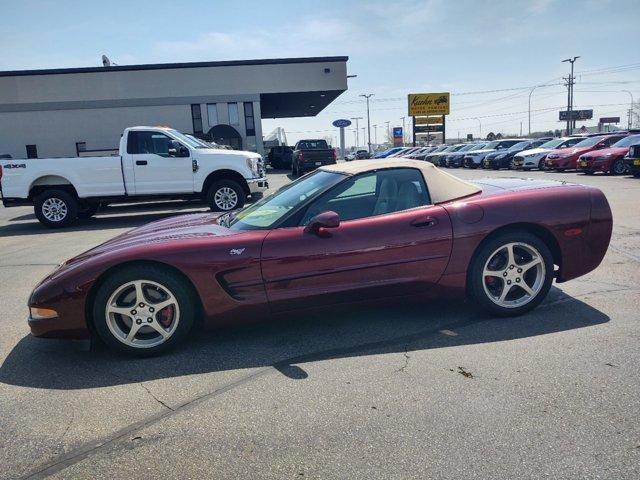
column 154, row 163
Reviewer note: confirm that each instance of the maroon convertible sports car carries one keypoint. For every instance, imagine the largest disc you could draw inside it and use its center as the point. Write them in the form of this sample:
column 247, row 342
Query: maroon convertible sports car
column 344, row 233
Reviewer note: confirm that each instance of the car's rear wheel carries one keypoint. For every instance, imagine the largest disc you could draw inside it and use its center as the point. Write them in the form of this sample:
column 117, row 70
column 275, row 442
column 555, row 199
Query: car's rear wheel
column 56, row 208
column 225, row 195
column 511, row 273
column 618, row 167
column 143, row 310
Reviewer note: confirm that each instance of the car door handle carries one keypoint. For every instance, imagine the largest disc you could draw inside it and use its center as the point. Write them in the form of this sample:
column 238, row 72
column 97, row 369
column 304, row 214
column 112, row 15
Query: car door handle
column 141, row 162
column 424, row 222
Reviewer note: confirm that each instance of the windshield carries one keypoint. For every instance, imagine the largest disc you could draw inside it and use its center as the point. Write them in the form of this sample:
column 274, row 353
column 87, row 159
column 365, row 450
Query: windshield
column 588, row 142
column 203, row 143
column 627, row 141
column 268, row 211
column 553, row 143
column 518, row 146
column 493, row 144
column 184, row 139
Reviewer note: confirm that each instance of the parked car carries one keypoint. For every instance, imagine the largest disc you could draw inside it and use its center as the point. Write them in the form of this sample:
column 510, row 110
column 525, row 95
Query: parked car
column 362, row 154
column 535, row 157
column 324, row 240
column 455, row 160
column 421, row 155
column 438, row 158
column 474, row 158
column 280, row 157
column 438, row 150
column 404, row 153
column 502, row 159
column 388, row 152
column 311, row 154
column 154, row 163
column 567, row 158
column 610, row 160
column 633, row 161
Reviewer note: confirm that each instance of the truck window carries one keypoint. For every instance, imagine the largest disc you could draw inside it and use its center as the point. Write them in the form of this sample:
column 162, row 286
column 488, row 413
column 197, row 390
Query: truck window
column 140, row 142
column 312, row 145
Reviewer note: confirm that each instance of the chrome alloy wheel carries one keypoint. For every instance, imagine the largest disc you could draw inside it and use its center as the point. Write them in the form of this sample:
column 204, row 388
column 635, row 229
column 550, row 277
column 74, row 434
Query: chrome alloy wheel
column 54, row 209
column 513, row 275
column 226, row 198
column 142, row 314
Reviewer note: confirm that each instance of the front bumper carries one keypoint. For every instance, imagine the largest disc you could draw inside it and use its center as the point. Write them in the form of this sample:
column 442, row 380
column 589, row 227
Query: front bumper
column 561, row 163
column 633, row 165
column 258, row 185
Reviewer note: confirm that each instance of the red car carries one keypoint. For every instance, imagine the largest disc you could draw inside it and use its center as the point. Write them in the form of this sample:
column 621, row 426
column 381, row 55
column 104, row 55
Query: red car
column 567, row 158
column 349, row 232
column 610, row 160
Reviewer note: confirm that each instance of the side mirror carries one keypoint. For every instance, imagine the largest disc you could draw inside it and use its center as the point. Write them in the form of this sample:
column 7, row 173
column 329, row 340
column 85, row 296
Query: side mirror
column 321, row 221
column 176, row 149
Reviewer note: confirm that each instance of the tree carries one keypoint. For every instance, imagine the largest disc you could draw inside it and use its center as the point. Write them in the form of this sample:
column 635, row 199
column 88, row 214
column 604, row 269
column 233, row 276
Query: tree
column 491, row 136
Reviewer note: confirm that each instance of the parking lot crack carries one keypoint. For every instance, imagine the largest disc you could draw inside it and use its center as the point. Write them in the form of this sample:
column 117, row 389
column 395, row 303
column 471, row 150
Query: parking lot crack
column 407, row 357
column 154, row 397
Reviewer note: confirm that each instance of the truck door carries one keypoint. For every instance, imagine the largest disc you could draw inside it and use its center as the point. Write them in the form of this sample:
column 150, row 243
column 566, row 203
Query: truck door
column 154, row 171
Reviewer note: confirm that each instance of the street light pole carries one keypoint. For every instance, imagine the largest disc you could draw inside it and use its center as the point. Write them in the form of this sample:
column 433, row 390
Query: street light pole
column 368, row 96
column 357, row 138
column 530, row 93
column 570, row 121
column 375, row 134
column 388, row 131
column 630, row 109
column 480, row 123
column 402, row 118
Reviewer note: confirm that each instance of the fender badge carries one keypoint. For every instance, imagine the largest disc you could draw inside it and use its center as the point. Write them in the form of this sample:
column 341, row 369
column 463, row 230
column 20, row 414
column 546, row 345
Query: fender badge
column 236, row 251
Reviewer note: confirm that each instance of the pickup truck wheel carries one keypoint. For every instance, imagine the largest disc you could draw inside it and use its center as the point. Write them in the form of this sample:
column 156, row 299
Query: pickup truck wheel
column 56, row 208
column 225, row 195
column 143, row 310
column 295, row 171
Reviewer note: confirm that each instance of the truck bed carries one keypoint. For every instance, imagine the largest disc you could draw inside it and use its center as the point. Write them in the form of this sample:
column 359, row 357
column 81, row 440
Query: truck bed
column 92, row 176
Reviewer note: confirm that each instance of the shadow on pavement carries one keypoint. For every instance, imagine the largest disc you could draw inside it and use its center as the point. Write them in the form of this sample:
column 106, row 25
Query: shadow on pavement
column 287, row 343
column 111, row 217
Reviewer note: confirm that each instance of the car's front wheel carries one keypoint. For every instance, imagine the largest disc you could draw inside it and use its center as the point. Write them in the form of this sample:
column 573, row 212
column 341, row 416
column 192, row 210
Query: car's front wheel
column 143, row 310
column 511, row 273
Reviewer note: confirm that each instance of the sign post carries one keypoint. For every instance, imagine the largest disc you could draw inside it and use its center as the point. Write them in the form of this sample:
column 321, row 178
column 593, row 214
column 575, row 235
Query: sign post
column 341, row 124
column 433, row 107
column 398, row 136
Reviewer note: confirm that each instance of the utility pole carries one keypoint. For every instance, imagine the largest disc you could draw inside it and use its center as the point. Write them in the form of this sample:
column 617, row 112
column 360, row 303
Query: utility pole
column 570, row 81
column 368, row 96
column 363, row 133
column 521, row 129
column 357, row 139
column 530, row 93
column 402, row 118
column 630, row 124
column 479, row 123
column 375, row 134
column 388, row 131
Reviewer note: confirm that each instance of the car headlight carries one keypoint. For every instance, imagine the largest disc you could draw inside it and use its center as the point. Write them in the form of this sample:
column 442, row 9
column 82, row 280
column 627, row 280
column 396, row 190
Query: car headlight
column 37, row 313
column 252, row 164
column 604, row 157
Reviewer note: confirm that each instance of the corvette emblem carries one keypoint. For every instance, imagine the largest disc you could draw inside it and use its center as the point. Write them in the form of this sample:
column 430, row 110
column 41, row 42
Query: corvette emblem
column 237, row 251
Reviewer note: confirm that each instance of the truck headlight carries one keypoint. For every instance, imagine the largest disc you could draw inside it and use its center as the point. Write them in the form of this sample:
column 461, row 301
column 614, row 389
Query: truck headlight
column 252, row 164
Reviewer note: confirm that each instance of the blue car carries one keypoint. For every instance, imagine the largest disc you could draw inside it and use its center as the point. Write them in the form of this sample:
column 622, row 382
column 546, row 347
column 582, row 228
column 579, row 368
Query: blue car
column 386, row 153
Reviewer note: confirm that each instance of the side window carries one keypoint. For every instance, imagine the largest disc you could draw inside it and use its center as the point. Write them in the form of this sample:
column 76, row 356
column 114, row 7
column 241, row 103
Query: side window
column 140, row 142
column 610, row 141
column 371, row 194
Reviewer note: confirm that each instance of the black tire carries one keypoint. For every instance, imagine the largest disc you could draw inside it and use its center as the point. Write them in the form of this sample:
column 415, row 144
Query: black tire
column 88, row 211
column 295, row 170
column 225, row 201
column 475, row 278
column 177, row 286
column 63, row 201
column 618, row 167
column 541, row 165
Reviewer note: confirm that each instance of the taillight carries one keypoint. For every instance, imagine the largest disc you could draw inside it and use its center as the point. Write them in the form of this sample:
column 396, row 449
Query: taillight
column 0, row 172
column 333, row 154
column 300, row 156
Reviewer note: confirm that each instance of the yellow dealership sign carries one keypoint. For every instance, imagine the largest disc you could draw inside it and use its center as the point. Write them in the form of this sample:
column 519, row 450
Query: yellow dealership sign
column 428, row 104
column 428, row 120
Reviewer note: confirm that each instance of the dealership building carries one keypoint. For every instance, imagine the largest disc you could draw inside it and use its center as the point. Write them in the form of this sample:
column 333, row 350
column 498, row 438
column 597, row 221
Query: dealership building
column 76, row 111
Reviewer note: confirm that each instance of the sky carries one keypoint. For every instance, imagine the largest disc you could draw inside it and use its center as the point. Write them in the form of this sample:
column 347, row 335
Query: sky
column 489, row 55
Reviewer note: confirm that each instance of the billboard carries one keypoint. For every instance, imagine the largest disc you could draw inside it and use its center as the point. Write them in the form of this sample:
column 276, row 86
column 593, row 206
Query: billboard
column 428, row 120
column 576, row 115
column 609, row 120
column 429, row 128
column 424, row 104
column 398, row 138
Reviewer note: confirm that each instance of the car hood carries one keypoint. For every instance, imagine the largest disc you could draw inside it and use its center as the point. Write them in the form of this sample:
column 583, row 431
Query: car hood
column 239, row 154
column 484, row 150
column 182, row 227
column 609, row 151
column 533, row 151
column 568, row 152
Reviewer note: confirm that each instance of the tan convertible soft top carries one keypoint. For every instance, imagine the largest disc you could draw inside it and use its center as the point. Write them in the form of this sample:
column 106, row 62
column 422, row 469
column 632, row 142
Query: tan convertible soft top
column 443, row 187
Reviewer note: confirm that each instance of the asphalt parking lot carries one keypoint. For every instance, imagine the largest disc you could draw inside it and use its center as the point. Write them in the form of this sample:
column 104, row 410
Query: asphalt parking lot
column 392, row 391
